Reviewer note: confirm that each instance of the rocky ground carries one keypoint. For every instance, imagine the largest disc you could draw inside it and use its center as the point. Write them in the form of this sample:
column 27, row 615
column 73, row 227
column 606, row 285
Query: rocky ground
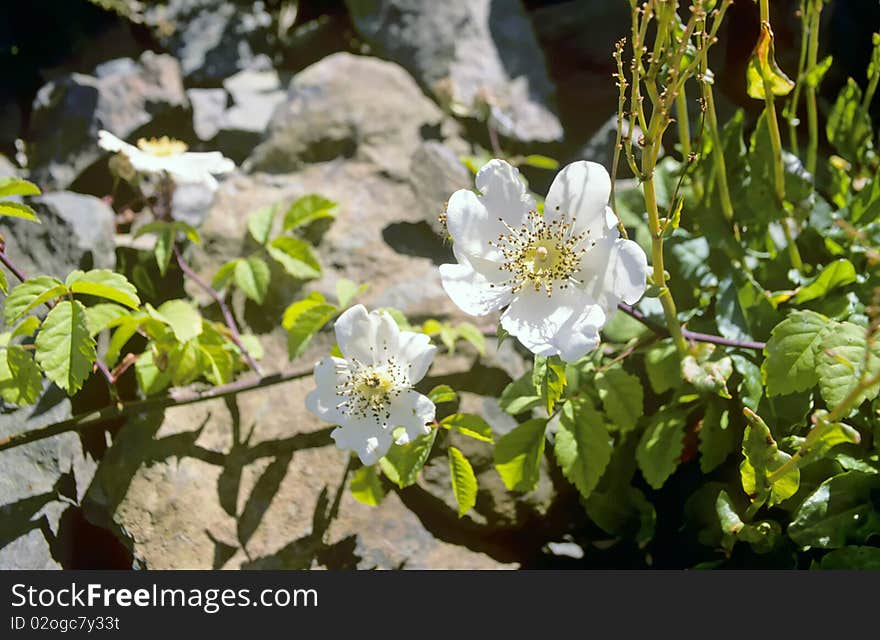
column 353, row 102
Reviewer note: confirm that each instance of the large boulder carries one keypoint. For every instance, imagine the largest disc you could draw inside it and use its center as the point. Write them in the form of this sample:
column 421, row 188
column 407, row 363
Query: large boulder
column 348, row 106
column 467, row 51
column 213, row 39
column 123, row 96
column 77, row 232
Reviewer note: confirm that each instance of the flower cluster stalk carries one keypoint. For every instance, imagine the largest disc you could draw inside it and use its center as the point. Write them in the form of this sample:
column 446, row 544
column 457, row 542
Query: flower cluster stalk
column 815, row 8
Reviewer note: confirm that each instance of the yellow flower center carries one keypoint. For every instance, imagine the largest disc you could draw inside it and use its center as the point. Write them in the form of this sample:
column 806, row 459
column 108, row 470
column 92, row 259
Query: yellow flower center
column 162, row 147
column 369, row 389
column 544, row 255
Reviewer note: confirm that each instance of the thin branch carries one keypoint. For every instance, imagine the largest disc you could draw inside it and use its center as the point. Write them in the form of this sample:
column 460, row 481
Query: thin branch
column 175, row 398
column 7, row 262
column 690, row 335
column 227, row 314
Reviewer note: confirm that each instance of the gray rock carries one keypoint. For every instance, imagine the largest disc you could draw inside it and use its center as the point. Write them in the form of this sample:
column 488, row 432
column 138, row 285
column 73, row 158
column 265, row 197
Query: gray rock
column 123, row 96
column 435, row 174
column 255, row 96
column 349, row 106
column 467, row 51
column 213, row 39
column 208, row 107
column 39, row 481
column 77, row 232
column 7, row 167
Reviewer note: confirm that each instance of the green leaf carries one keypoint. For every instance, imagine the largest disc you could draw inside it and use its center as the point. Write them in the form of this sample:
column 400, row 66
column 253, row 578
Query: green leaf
column 622, row 396
column 519, row 396
column 541, row 162
column 663, row 366
column 4, row 282
column 442, row 393
column 225, row 274
column 16, row 210
column 403, row 462
column 151, row 379
column 30, row 294
column 347, row 290
column 759, row 471
column 548, row 378
column 464, row 482
column 839, row 512
column 861, row 558
column 823, row 437
column 518, row 455
column 366, row 486
column 14, row 186
column 103, row 316
column 815, row 74
column 849, row 127
column 104, row 283
column 709, row 376
column 20, row 379
column 296, row 256
column 790, row 364
column 660, row 448
column 469, row 424
column 307, row 209
column 166, row 236
column 252, row 277
column 840, row 360
column 259, row 224
column 302, row 320
column 762, row 66
column 26, row 327
column 717, row 437
column 583, row 446
column 837, row 274
column 470, row 333
column 65, row 349
column 184, row 319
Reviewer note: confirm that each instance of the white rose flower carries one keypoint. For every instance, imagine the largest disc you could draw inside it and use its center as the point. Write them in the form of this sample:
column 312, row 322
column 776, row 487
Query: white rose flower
column 369, row 391
column 171, row 157
column 560, row 275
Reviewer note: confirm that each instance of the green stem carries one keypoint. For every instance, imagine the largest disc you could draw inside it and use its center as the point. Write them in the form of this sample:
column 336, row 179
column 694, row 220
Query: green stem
column 792, row 108
column 684, row 125
column 812, row 111
column 718, row 153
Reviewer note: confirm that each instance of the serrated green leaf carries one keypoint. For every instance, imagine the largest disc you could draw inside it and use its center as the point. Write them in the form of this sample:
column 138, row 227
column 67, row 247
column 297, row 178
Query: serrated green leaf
column 709, row 376
column 519, row 396
column 65, row 349
column 583, row 446
column 259, row 224
column 20, row 379
column 518, row 455
column 663, row 367
column 151, row 379
column 660, row 447
column 302, row 320
column 15, row 186
column 442, row 393
column 849, row 127
column 307, row 209
column 790, row 364
column 102, row 316
column 16, row 210
column 403, row 462
column 760, row 471
column 104, row 283
column 622, row 396
column 252, row 276
column 30, row 294
column 824, row 437
column 469, row 424
column 347, row 290
column 717, row 437
column 839, row 362
column 366, row 486
column 541, row 162
column 548, row 378
column 184, row 319
column 839, row 512
column 26, row 327
column 296, row 256
column 464, row 482
column 837, row 274
column 225, row 274
column 815, row 74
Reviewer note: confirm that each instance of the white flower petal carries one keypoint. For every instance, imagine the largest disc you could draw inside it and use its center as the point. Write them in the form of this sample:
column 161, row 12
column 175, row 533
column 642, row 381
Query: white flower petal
column 471, row 291
column 365, row 438
column 469, row 223
column 417, row 350
column 580, row 335
column 613, row 270
column 387, row 343
column 356, row 334
column 412, row 411
column 504, row 193
column 580, row 192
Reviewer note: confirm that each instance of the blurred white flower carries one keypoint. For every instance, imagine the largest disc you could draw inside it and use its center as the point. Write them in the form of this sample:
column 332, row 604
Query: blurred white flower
column 158, row 155
column 368, row 392
column 560, row 275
